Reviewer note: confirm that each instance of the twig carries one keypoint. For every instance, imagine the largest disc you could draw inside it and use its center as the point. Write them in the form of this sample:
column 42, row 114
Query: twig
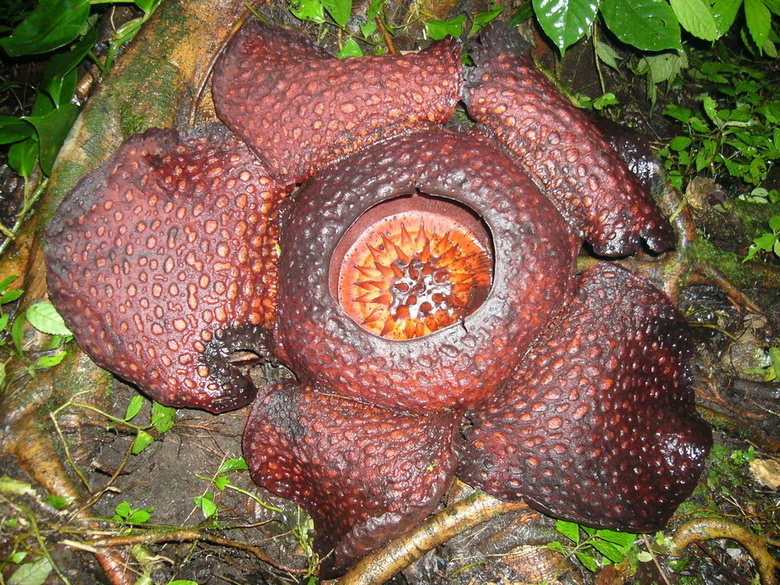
column 386, row 36
column 188, row 535
column 658, row 566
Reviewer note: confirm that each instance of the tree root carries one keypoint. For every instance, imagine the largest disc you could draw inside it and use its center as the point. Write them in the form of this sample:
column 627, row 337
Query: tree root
column 701, row 529
column 463, row 515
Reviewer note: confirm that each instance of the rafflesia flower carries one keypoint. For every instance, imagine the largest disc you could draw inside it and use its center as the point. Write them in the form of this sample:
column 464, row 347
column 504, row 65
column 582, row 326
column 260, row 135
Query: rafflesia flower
column 420, row 284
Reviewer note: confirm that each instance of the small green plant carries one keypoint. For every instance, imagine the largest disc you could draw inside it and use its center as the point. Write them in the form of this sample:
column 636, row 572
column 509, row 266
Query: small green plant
column 221, row 481
column 597, row 548
column 768, row 241
column 126, row 514
column 727, row 469
column 768, row 364
column 162, row 420
column 735, row 133
column 43, row 317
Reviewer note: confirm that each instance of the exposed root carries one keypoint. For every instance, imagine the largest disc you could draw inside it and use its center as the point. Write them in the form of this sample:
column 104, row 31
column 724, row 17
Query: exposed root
column 469, row 512
column 701, row 529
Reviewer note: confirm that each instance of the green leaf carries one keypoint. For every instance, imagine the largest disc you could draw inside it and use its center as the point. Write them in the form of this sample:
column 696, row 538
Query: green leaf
column 374, row 9
column 624, row 539
column 4, row 321
column 121, row 511
column 649, row 25
column 134, row 407
column 678, row 112
column 556, row 546
column 6, row 282
column 759, row 21
column 565, row 21
column 148, row 6
column 609, row 550
column 45, row 318
column 17, row 332
column 765, row 242
column 63, row 66
column 350, row 49
column 222, row 482
column 206, row 504
column 10, row 296
column 14, row 129
column 52, row 130
column 340, row 10
column 58, row 502
column 696, row 17
column 236, row 464
column 49, row 361
column 587, row 560
column 725, row 12
column 607, row 55
column 368, row 28
column 523, row 13
column 438, row 29
column 139, row 516
column 8, row 485
column 53, row 24
column 142, row 441
column 680, row 143
column 570, row 530
column 23, row 155
column 32, row 573
column 163, row 417
column 484, row 18
column 308, row 10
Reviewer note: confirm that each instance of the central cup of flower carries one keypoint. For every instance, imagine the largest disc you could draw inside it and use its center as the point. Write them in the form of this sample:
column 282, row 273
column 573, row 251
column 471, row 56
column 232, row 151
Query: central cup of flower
column 412, row 265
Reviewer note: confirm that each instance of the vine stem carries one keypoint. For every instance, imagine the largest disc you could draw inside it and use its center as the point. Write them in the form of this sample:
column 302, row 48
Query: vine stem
column 469, row 512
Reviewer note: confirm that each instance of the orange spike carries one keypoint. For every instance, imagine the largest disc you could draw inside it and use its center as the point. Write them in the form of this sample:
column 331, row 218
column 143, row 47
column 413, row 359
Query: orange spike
column 402, row 256
column 406, row 239
column 387, row 271
column 374, row 316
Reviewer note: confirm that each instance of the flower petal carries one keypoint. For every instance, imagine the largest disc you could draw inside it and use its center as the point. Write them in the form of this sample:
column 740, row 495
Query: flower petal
column 299, row 108
column 599, row 426
column 364, row 474
column 603, row 201
column 162, row 262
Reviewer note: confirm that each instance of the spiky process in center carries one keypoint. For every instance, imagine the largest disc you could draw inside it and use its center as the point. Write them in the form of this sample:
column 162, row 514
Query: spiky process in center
column 414, row 272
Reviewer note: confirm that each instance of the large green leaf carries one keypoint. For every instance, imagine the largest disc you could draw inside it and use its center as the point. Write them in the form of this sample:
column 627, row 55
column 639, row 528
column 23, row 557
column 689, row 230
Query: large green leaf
column 725, row 12
column 565, row 21
column 696, row 17
column 53, row 128
column 53, row 24
column 649, row 25
column 339, row 10
column 12, row 129
column 759, row 21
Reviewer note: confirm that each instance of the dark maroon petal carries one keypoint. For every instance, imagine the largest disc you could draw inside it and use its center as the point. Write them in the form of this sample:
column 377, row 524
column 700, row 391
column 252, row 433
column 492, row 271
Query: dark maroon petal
column 163, row 263
column 299, row 108
column 364, row 474
column 592, row 186
column 458, row 365
column 599, row 426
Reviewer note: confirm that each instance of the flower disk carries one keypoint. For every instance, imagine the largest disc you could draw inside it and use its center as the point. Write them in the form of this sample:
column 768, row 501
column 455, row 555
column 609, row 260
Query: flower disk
column 413, row 273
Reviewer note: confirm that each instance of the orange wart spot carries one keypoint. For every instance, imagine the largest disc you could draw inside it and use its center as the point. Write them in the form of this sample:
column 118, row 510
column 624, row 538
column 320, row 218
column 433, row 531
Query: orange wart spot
column 413, row 272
